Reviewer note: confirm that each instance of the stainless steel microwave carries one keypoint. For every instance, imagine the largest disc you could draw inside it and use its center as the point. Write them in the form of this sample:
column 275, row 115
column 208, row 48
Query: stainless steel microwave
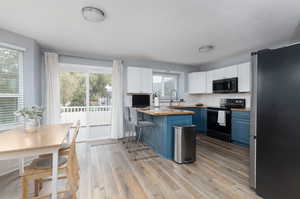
column 225, row 85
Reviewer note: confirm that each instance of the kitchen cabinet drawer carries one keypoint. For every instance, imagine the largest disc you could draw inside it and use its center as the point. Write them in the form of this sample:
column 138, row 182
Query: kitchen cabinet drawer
column 241, row 115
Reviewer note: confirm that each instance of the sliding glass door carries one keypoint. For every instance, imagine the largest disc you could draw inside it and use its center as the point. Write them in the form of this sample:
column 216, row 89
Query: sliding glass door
column 87, row 97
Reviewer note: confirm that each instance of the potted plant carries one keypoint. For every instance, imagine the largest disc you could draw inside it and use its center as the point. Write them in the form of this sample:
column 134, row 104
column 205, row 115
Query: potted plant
column 32, row 117
column 156, row 99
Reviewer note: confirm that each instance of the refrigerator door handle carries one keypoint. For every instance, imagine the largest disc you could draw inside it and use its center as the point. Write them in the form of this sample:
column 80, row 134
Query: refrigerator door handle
column 253, row 123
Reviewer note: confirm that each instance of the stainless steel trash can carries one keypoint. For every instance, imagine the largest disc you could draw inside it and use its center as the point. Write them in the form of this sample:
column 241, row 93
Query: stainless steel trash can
column 184, row 144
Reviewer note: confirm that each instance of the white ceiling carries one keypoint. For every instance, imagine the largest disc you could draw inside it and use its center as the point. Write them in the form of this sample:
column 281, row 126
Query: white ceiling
column 161, row 30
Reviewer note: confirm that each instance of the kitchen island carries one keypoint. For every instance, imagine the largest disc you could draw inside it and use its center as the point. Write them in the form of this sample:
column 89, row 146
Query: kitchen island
column 161, row 137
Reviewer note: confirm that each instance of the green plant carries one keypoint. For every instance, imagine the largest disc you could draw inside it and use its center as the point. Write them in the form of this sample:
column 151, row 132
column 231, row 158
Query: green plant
column 156, row 94
column 35, row 112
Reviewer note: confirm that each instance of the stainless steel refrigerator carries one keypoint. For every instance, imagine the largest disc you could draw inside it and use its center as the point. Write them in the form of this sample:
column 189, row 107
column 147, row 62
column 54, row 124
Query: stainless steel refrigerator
column 275, row 123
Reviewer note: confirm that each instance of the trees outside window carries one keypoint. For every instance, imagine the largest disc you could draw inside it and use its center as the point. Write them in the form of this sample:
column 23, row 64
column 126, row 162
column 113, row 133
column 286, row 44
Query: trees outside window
column 73, row 89
column 85, row 97
column 11, row 85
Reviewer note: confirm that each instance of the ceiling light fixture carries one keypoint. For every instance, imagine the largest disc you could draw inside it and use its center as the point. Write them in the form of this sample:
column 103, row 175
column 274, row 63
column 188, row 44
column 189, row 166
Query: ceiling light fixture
column 206, row 48
column 92, row 14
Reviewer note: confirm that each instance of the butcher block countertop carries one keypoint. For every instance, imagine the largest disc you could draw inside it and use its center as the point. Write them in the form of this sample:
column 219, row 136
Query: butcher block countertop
column 241, row 109
column 164, row 111
column 194, row 106
column 187, row 106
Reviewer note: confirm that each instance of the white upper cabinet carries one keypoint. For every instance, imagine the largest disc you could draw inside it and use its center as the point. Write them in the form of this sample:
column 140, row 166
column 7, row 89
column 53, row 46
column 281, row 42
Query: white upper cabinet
column 197, row 82
column 147, row 80
column 133, row 80
column 244, row 77
column 210, row 75
column 225, row 73
column 218, row 74
column 139, row 80
column 192, row 78
column 202, row 82
column 230, row 72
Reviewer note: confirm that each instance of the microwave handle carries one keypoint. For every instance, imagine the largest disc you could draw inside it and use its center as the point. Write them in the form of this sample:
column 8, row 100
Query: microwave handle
column 229, row 85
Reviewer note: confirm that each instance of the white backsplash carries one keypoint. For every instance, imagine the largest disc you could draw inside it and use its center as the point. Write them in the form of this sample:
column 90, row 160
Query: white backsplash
column 206, row 99
column 214, row 99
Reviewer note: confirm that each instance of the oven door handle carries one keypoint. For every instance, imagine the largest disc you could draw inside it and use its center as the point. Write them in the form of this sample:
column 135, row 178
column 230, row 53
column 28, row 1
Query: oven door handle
column 210, row 110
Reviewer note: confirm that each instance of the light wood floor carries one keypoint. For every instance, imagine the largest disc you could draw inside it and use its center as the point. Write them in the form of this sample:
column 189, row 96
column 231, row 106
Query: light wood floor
column 220, row 172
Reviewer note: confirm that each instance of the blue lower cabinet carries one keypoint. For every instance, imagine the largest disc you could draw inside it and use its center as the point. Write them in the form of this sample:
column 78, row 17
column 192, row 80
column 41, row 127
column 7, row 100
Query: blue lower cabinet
column 203, row 121
column 199, row 118
column 168, row 140
column 161, row 137
column 240, row 128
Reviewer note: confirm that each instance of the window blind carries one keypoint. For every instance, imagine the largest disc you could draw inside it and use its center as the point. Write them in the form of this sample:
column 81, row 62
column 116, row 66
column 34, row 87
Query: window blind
column 11, row 85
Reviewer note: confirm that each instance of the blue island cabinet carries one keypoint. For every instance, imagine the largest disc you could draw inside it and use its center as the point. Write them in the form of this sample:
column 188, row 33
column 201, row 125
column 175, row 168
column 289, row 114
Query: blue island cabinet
column 240, row 127
column 199, row 118
column 161, row 137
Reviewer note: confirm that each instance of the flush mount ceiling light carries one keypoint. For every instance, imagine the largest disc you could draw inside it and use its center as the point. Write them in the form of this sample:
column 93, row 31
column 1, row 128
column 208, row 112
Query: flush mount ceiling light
column 92, row 14
column 206, row 48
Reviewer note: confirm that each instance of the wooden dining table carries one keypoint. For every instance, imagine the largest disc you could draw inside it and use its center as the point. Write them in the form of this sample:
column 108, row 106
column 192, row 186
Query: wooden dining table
column 47, row 139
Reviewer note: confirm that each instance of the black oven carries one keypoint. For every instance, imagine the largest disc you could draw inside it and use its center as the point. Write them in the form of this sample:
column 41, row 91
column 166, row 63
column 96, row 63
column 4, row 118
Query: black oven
column 225, row 85
column 219, row 118
column 214, row 129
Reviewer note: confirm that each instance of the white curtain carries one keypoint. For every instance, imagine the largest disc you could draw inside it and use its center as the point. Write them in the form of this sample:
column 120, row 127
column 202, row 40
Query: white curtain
column 52, row 97
column 117, row 99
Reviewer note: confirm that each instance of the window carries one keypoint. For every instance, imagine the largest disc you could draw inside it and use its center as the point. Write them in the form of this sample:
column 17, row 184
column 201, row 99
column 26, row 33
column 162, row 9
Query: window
column 85, row 97
column 11, row 85
column 165, row 85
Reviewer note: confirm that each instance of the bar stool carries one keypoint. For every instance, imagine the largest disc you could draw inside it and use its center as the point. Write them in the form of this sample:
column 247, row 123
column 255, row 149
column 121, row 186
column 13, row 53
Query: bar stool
column 128, row 128
column 140, row 126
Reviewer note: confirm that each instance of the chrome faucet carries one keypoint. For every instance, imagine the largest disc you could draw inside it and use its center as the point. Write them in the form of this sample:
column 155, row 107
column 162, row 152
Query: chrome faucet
column 172, row 95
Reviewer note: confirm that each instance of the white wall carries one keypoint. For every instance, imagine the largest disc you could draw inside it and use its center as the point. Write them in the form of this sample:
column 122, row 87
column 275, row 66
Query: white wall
column 32, row 78
column 95, row 132
column 32, row 65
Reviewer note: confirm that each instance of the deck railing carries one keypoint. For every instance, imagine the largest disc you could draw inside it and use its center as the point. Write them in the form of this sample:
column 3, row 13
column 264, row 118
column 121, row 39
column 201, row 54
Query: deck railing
column 92, row 115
